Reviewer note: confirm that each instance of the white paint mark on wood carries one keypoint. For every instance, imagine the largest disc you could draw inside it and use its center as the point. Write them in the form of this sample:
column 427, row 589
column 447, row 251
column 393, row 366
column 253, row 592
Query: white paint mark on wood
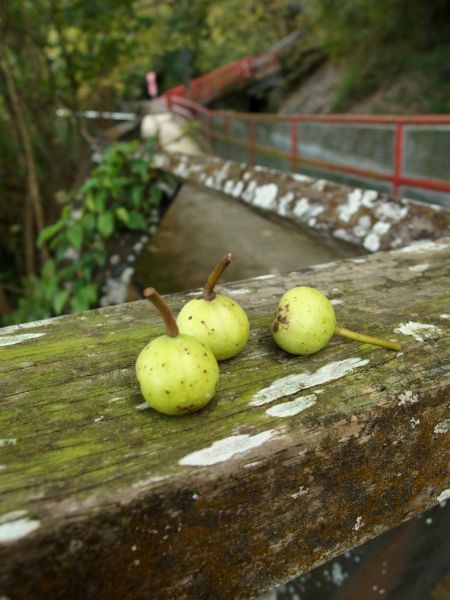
column 15, row 525
column 420, row 268
column 284, row 203
column 238, row 292
column 293, row 384
column 223, row 450
column 391, row 210
column 443, row 496
column 358, row 524
column 10, row 340
column 372, row 241
column 363, row 226
column 343, row 234
column 30, row 325
column 444, row 316
column 414, row 422
column 347, row 210
column 425, row 246
column 442, row 426
column 270, row 276
column 298, row 177
column 8, row 442
column 407, row 398
column 12, row 516
column 289, row 409
column 335, row 301
column 265, row 195
column 301, row 207
column 419, row 331
column 302, row 491
column 150, row 480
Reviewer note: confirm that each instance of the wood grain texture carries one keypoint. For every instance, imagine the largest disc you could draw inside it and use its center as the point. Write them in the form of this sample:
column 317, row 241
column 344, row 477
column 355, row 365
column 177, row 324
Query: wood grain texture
column 101, row 500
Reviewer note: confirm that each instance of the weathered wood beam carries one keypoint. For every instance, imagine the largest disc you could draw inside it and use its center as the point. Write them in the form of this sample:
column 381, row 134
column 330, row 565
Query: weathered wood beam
column 367, row 218
column 295, row 461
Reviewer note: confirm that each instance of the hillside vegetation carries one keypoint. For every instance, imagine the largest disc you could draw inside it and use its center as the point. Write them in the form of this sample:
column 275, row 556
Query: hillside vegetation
column 383, row 56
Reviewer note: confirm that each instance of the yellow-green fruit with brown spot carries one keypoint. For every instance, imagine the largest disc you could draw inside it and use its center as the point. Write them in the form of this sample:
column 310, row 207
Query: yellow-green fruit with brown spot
column 177, row 375
column 305, row 321
column 221, row 324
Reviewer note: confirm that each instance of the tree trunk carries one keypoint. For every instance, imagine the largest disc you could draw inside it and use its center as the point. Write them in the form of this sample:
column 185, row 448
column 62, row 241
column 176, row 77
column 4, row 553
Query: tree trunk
column 29, row 158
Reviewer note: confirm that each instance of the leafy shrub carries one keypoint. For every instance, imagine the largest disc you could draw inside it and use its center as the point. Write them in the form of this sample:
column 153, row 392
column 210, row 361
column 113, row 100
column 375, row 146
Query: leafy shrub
column 120, row 193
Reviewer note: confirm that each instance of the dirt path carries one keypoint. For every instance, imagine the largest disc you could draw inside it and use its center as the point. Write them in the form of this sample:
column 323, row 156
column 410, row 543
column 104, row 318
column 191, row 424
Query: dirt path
column 201, row 226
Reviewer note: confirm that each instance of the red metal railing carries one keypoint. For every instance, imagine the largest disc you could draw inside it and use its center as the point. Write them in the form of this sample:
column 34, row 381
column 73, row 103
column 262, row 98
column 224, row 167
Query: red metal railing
column 232, row 75
column 217, row 124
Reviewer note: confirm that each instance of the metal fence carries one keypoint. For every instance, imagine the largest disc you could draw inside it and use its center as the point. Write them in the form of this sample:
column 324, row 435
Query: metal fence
column 407, row 157
column 230, row 76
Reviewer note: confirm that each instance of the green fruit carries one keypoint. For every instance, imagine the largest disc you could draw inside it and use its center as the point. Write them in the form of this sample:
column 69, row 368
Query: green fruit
column 177, row 374
column 216, row 320
column 305, row 322
column 221, row 324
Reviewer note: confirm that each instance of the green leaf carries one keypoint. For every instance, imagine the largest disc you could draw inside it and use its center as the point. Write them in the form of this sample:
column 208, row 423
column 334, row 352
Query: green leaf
column 88, row 223
column 75, row 235
column 99, row 200
column 137, row 221
column 122, row 215
column 59, row 300
column 140, row 167
column 137, row 195
column 49, row 232
column 105, row 224
column 85, row 296
column 156, row 194
column 48, row 269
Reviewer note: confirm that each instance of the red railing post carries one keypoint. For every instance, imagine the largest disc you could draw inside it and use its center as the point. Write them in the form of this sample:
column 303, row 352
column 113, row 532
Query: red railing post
column 398, row 158
column 294, row 144
column 251, row 141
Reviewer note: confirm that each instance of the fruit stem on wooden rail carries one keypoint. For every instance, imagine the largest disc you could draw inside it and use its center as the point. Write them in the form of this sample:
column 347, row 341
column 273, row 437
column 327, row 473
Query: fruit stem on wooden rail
column 164, row 310
column 208, row 291
column 360, row 337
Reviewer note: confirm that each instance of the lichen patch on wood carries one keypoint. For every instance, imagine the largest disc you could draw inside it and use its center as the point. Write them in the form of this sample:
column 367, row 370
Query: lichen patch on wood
column 10, row 340
column 289, row 409
column 292, row 384
column 223, row 450
column 419, row 331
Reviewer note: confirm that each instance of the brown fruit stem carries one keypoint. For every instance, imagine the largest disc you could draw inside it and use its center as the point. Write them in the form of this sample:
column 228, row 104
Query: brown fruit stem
column 166, row 313
column 208, row 291
column 360, row 337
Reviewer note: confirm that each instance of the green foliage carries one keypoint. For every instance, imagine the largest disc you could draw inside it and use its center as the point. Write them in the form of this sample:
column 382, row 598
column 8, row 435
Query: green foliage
column 120, row 194
column 378, row 40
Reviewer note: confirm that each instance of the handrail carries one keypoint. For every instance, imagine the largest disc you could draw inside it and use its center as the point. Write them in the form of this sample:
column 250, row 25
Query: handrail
column 398, row 126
